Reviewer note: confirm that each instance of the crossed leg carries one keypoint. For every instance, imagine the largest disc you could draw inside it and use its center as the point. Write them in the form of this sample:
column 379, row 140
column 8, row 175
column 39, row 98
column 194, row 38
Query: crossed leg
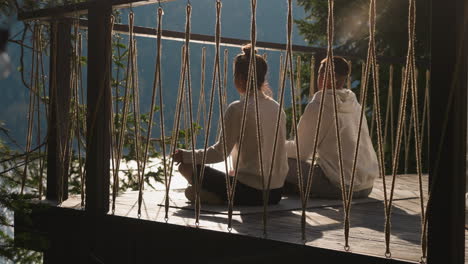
column 206, row 197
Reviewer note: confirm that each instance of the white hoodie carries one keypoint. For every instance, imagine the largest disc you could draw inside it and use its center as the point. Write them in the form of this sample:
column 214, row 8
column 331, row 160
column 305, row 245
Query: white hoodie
column 349, row 111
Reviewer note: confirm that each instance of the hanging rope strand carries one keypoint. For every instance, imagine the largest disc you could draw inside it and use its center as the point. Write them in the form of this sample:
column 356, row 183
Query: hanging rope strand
column 201, row 113
column 224, row 90
column 417, row 137
column 220, row 96
column 175, row 130
column 370, row 63
column 280, row 110
column 406, row 84
column 305, row 193
column 156, row 86
column 331, row 72
column 80, row 101
column 41, row 91
column 312, row 77
column 158, row 82
column 425, row 105
column 349, row 81
column 407, row 141
column 113, row 138
column 76, row 80
column 363, row 71
column 79, row 127
column 31, row 107
column 280, row 80
column 123, row 124
column 189, row 95
column 252, row 85
column 225, row 76
column 38, row 104
column 299, row 172
column 389, row 110
column 216, row 79
column 375, row 70
column 137, row 126
column 299, row 86
column 236, row 167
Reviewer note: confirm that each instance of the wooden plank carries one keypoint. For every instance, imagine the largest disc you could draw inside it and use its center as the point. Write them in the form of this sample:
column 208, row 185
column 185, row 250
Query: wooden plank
column 324, row 225
column 60, row 95
column 448, row 132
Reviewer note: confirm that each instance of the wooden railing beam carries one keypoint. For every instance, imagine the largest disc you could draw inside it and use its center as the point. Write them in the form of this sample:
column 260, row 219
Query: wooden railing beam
column 78, row 9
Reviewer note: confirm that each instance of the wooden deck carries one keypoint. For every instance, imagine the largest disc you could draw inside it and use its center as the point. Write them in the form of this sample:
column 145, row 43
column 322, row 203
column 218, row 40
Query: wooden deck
column 324, row 218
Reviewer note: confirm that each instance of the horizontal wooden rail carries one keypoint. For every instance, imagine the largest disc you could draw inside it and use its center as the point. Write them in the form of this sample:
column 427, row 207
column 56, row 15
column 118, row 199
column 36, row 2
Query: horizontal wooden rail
column 79, row 9
column 82, row 8
column 234, row 42
column 206, row 39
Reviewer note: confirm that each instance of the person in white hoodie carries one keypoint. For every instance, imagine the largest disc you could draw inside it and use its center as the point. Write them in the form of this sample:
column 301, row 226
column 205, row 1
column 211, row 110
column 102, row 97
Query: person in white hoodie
column 250, row 185
column 326, row 177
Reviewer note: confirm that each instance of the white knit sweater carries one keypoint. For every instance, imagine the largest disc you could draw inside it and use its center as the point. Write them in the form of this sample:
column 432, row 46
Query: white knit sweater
column 249, row 166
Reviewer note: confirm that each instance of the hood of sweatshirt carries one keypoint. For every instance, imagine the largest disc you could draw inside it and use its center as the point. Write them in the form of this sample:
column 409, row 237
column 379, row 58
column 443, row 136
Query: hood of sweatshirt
column 345, row 99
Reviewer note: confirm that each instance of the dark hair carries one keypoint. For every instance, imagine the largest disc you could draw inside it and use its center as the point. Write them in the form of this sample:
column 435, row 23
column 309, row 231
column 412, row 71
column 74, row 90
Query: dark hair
column 341, row 65
column 242, row 62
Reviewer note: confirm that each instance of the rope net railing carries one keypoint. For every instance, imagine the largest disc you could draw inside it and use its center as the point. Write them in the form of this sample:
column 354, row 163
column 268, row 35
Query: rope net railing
column 131, row 134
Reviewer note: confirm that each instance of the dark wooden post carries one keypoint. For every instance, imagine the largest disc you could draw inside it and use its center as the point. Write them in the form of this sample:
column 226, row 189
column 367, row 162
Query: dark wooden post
column 58, row 157
column 98, row 115
column 448, row 132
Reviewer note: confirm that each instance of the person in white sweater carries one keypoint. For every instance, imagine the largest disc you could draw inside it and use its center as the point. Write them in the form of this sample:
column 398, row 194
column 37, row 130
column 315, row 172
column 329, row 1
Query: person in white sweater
column 250, row 185
column 326, row 177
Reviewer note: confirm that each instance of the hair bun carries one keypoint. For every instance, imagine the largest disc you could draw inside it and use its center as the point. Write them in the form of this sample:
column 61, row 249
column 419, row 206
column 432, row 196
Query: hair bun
column 247, row 50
